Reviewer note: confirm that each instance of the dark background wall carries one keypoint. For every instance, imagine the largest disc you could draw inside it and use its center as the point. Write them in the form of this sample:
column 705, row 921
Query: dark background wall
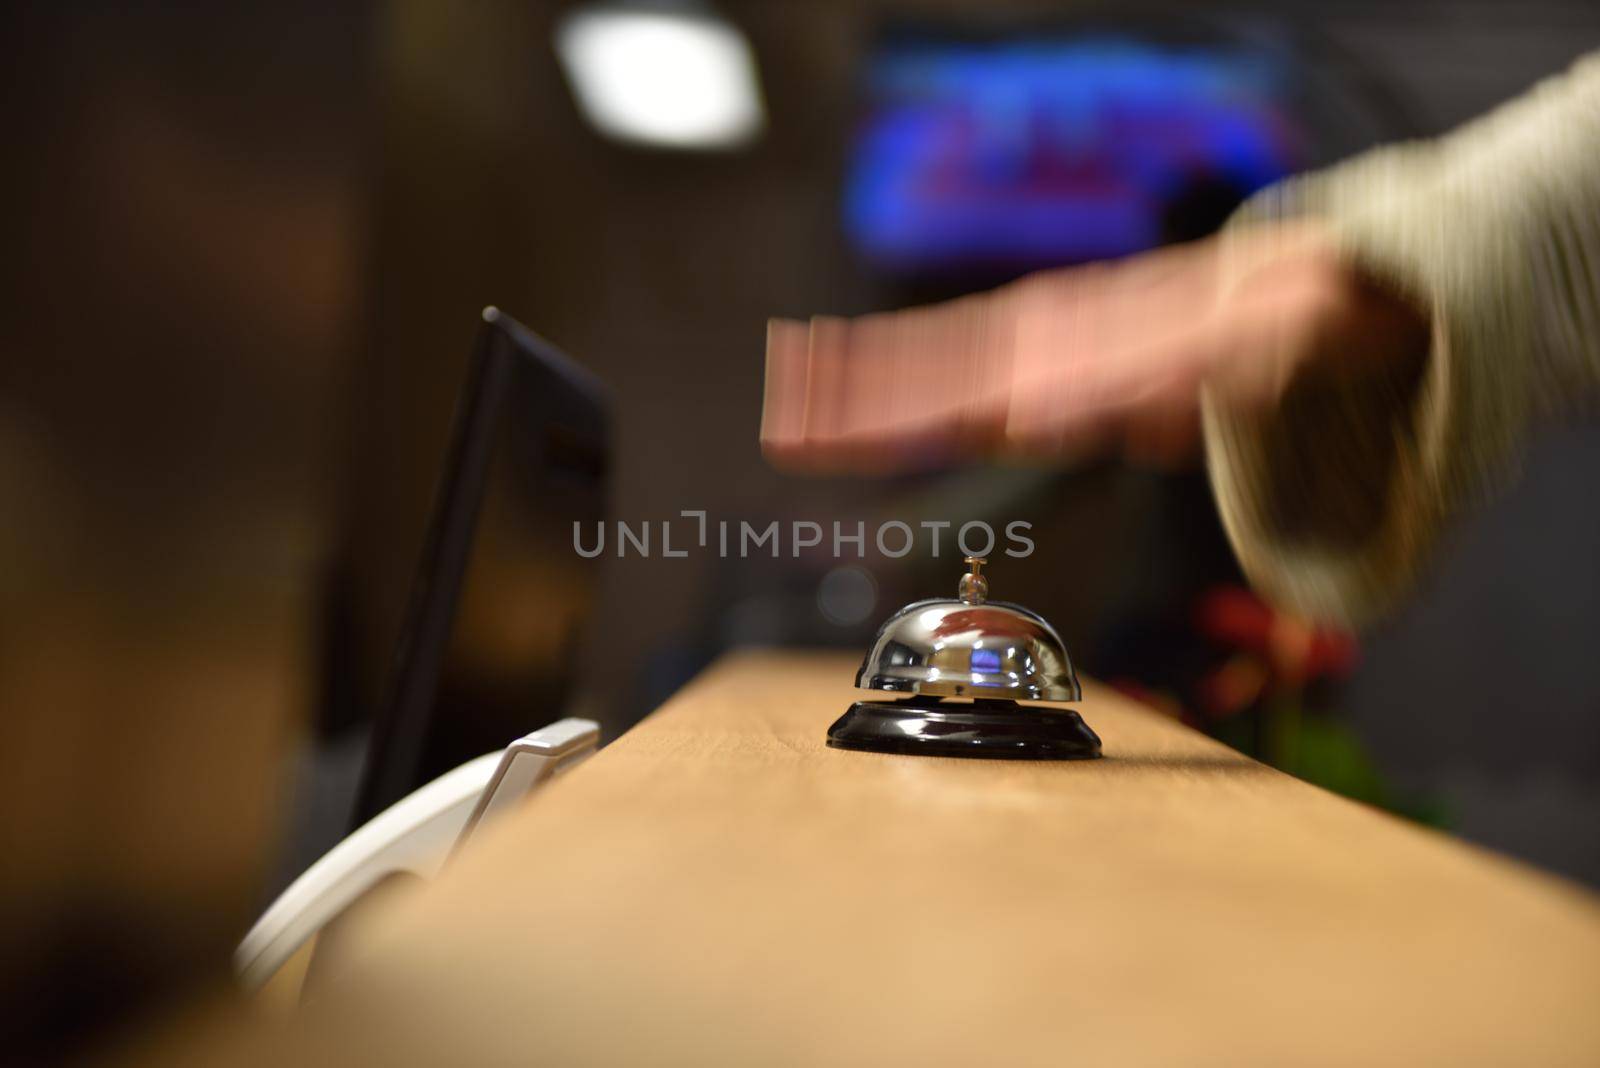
column 185, row 194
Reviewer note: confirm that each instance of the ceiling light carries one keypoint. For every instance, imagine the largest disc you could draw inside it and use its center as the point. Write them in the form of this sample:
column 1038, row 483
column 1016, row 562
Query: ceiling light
column 662, row 76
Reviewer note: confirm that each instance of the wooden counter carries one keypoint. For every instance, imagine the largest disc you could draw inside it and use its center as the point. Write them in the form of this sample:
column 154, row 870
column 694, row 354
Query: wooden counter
column 717, row 887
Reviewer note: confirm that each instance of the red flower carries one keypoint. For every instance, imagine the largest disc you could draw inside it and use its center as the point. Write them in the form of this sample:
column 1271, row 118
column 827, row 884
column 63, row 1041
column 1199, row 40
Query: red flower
column 1295, row 650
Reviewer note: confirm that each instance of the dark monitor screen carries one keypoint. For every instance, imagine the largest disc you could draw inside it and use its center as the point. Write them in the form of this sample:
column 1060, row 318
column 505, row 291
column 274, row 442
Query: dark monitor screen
column 490, row 643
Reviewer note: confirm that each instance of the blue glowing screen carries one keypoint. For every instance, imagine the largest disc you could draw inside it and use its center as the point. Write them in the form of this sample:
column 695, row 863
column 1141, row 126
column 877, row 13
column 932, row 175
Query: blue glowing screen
column 1025, row 154
column 985, row 661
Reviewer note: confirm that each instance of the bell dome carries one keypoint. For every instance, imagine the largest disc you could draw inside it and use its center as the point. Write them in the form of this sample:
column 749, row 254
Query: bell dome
column 981, row 649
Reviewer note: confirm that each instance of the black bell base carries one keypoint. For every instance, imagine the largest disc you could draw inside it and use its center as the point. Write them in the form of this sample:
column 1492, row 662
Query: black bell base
column 984, row 728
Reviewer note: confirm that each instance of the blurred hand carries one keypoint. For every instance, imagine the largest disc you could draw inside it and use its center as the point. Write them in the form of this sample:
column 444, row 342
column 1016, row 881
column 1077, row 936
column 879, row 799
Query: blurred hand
column 1066, row 361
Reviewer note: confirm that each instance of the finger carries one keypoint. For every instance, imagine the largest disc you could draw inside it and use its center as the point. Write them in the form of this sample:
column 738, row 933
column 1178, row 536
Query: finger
column 784, row 395
column 828, row 385
column 897, row 389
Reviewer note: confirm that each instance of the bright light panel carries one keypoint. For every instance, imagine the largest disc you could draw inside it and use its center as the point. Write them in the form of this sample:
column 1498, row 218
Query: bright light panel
column 672, row 79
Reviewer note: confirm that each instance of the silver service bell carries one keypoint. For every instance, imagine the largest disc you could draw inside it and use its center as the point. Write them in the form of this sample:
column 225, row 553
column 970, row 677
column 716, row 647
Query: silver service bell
column 966, row 663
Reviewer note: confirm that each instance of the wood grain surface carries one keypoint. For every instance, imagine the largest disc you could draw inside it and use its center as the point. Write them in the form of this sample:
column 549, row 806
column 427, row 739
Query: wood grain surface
column 718, row 887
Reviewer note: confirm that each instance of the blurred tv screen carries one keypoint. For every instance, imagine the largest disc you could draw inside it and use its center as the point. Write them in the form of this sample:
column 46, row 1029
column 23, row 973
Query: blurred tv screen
column 1022, row 152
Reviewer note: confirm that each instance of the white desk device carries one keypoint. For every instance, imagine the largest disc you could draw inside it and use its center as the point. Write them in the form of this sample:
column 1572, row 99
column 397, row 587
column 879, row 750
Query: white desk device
column 414, row 836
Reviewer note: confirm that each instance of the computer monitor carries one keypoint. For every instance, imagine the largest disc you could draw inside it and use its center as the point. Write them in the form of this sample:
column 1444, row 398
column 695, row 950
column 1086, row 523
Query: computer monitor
column 490, row 644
